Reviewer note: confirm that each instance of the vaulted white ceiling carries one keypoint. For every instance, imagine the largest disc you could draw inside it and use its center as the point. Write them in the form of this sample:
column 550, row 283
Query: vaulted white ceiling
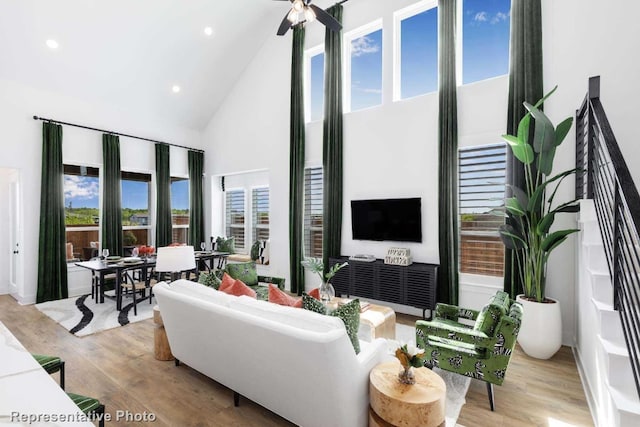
column 129, row 53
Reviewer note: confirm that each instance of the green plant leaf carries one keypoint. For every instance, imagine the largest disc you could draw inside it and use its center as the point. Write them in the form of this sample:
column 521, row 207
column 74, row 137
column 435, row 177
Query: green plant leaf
column 535, row 201
column 523, row 128
column 545, row 161
column 562, row 130
column 545, row 224
column 544, row 134
column 511, row 238
column 521, row 150
column 514, row 207
column 556, row 238
column 519, row 193
column 333, row 270
column 570, row 209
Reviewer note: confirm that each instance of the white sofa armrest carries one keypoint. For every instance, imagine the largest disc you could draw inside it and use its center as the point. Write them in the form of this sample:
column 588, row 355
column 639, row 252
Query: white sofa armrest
column 372, row 354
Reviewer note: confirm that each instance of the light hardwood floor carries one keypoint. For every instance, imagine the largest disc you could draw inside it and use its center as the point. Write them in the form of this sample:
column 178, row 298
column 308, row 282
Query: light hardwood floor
column 118, row 367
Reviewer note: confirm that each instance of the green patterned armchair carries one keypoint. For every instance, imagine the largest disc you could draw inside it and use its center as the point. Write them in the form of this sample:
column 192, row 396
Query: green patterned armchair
column 481, row 351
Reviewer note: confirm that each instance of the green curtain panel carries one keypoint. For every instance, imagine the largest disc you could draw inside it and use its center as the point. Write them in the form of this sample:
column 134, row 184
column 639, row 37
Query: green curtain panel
column 525, row 84
column 332, row 142
column 296, row 162
column 163, row 196
column 447, row 291
column 196, row 198
column 112, row 195
column 52, row 254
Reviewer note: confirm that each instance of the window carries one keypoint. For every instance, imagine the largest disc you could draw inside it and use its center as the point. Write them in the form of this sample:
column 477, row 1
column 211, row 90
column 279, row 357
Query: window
column 180, row 209
column 485, row 39
column 235, row 217
column 481, row 206
column 416, row 50
column 364, row 65
column 260, row 209
column 136, row 220
column 81, row 208
column 314, row 84
column 313, row 212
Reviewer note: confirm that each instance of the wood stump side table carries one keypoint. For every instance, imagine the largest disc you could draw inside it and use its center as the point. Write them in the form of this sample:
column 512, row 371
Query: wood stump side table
column 161, row 346
column 402, row 405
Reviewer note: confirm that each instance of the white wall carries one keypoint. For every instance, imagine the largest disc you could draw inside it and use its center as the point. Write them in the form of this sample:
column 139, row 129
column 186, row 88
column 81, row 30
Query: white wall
column 21, row 147
column 581, row 39
column 5, row 236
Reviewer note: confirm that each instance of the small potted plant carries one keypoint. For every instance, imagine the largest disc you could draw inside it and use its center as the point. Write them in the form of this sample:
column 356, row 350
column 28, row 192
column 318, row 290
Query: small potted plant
column 531, row 214
column 410, row 357
column 315, row 265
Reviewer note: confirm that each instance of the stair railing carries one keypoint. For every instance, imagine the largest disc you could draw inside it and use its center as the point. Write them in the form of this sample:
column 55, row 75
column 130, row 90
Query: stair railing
column 608, row 182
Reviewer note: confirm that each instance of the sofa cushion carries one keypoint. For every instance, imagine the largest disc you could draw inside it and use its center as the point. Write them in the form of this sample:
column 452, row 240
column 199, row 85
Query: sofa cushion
column 291, row 316
column 245, row 271
column 349, row 314
column 199, row 291
column 226, row 245
column 210, row 280
column 238, row 289
column 226, row 282
column 278, row 296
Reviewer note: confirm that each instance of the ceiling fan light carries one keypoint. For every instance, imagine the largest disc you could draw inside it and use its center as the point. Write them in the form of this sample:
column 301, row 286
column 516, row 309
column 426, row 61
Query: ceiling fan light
column 293, row 16
column 309, row 14
column 298, row 5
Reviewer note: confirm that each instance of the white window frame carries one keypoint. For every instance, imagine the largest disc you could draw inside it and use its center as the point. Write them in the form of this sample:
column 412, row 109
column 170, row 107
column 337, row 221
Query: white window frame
column 182, row 177
column 254, row 224
column 247, row 245
column 346, row 61
column 398, row 17
column 150, row 226
column 308, row 55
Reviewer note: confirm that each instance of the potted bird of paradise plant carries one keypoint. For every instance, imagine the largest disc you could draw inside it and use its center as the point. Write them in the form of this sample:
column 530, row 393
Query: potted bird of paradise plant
column 528, row 232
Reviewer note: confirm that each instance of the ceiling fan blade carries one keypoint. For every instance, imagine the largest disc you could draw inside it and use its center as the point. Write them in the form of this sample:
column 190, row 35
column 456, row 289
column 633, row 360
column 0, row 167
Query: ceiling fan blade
column 328, row 20
column 284, row 26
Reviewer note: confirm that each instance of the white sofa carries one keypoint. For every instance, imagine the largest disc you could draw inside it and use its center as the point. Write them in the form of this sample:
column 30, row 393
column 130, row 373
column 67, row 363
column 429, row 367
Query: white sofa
column 299, row 364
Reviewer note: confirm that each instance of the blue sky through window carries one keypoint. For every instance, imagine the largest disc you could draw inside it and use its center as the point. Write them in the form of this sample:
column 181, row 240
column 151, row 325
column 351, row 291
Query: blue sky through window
column 317, row 87
column 81, row 191
column 135, row 194
column 180, row 194
column 366, row 71
column 485, row 37
column 419, row 54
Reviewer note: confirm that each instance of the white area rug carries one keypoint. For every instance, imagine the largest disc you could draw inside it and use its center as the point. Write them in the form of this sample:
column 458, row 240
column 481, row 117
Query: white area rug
column 457, row 385
column 82, row 316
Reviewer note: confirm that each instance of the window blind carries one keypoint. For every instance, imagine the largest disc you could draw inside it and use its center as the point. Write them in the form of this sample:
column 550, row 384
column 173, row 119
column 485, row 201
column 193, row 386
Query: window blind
column 235, row 217
column 313, row 212
column 260, row 209
column 482, row 178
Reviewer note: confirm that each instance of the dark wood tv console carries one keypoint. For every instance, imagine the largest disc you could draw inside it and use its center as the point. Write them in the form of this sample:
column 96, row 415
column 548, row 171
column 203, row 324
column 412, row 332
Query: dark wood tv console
column 413, row 285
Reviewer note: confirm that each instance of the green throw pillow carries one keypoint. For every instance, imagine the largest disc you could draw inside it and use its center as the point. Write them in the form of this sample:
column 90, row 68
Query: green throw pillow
column 244, row 271
column 226, row 245
column 255, row 250
column 349, row 314
column 209, row 279
column 488, row 319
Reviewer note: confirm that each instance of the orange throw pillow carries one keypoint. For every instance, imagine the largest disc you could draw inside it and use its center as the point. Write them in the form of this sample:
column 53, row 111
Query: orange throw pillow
column 315, row 293
column 239, row 288
column 278, row 296
column 227, row 282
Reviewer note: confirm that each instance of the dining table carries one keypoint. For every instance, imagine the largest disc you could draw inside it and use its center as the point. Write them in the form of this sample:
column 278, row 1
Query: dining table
column 102, row 269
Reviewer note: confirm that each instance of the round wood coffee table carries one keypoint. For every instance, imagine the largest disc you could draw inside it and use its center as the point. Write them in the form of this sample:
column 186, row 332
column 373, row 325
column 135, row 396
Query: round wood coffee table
column 161, row 347
column 397, row 404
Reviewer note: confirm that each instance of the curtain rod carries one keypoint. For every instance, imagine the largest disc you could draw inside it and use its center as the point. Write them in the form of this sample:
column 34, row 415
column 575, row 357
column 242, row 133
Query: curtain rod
column 114, row 133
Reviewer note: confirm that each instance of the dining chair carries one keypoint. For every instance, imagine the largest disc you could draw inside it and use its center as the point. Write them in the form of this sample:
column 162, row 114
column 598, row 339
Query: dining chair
column 51, row 364
column 135, row 280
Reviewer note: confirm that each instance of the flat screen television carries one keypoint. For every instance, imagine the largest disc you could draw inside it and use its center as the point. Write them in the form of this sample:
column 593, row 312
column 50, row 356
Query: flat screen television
column 387, row 219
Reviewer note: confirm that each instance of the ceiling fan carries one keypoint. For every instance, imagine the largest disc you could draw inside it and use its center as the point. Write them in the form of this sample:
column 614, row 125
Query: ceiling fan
column 304, row 11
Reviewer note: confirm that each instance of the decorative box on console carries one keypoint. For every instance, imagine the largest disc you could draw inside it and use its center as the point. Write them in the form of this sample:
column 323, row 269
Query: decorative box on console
column 398, row 256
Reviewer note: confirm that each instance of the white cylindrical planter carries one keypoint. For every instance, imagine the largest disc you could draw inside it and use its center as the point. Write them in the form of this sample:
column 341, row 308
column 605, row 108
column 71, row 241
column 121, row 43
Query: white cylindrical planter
column 541, row 329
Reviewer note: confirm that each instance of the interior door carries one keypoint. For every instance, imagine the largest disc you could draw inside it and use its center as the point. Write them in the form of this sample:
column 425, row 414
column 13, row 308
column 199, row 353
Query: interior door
column 15, row 257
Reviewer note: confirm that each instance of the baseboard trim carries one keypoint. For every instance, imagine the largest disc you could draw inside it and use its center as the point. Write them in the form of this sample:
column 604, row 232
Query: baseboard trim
column 588, row 391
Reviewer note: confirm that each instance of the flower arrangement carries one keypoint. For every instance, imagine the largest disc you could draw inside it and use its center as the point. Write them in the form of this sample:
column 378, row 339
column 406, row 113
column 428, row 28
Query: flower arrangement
column 315, row 265
column 410, row 357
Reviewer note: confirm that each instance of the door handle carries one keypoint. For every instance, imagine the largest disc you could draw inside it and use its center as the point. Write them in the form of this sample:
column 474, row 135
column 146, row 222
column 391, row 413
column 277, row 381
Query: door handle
column 15, row 252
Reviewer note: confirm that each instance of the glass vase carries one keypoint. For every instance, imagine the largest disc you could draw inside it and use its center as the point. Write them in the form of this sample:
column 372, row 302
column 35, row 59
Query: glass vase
column 327, row 293
column 406, row 375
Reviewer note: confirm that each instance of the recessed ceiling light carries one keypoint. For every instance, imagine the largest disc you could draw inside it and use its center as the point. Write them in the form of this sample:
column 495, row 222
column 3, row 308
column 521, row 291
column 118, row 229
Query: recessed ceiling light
column 52, row 44
column 208, row 31
column 175, row 88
